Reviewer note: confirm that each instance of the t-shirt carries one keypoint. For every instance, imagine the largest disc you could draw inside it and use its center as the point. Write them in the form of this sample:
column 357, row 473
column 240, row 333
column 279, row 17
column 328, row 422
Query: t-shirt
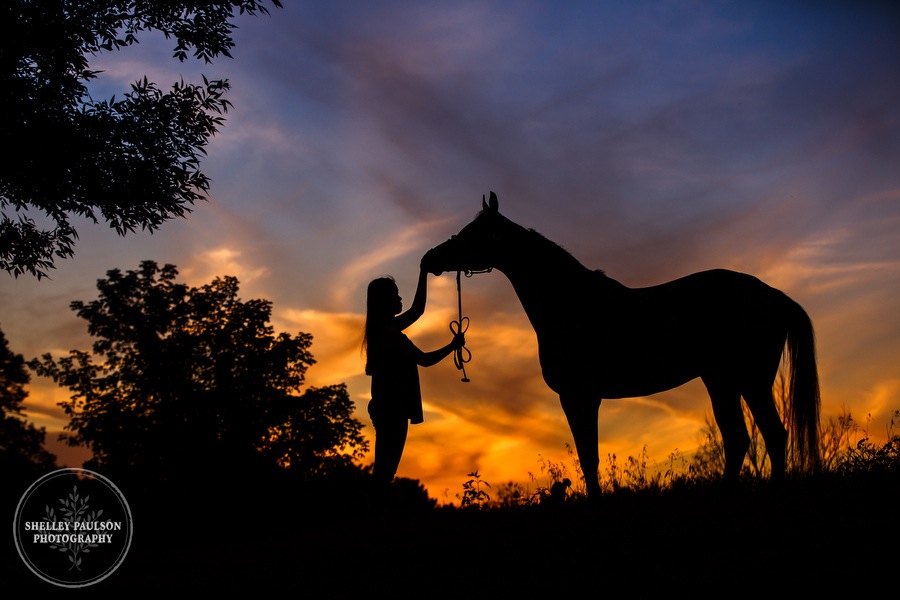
column 395, row 376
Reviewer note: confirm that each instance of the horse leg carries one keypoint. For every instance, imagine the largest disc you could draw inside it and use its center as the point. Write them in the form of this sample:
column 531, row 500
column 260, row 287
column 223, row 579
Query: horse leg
column 762, row 406
column 582, row 414
column 726, row 405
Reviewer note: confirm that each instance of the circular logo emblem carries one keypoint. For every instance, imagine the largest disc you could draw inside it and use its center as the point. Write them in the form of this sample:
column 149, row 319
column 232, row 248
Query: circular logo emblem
column 72, row 528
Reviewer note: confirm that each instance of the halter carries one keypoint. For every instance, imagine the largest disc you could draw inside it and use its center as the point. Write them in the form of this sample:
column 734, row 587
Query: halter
column 462, row 355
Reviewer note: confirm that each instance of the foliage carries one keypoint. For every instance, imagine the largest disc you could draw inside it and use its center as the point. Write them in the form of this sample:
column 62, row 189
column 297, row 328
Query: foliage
column 318, row 438
column 133, row 163
column 709, row 459
column 473, row 496
column 868, row 457
column 195, row 379
column 21, row 443
column 849, row 451
column 410, row 495
column 558, row 474
column 511, row 495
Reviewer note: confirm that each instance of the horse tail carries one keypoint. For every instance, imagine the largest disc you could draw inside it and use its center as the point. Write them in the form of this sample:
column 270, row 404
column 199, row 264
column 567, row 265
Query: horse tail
column 804, row 398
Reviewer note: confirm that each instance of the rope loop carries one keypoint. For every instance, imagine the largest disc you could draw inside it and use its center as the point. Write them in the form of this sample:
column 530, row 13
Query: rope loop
column 462, row 354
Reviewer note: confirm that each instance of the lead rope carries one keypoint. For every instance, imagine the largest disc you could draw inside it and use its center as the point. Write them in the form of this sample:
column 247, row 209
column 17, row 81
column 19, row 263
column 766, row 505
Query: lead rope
column 462, row 354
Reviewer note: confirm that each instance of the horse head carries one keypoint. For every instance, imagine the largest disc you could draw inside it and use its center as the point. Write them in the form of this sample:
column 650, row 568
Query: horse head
column 474, row 249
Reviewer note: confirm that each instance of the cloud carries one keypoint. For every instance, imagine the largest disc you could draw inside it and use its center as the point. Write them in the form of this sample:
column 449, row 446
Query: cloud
column 384, row 249
column 219, row 262
column 336, row 346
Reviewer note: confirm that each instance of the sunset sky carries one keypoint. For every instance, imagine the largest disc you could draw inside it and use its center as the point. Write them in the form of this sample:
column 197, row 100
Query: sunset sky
column 650, row 139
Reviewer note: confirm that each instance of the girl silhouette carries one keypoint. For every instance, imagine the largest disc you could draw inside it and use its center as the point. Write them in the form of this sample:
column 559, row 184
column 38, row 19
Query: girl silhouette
column 393, row 361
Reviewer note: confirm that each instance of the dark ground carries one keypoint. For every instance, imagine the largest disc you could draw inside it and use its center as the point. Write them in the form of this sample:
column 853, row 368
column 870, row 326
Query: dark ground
column 833, row 538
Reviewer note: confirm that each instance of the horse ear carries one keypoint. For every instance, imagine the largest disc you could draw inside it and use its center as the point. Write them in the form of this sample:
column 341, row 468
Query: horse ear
column 493, row 205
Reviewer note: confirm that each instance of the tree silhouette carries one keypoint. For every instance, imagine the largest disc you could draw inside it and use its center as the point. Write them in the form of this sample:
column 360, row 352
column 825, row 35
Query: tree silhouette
column 22, row 454
column 133, row 163
column 195, row 380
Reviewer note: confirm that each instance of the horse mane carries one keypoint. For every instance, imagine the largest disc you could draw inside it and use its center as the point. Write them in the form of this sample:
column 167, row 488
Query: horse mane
column 556, row 251
column 555, row 248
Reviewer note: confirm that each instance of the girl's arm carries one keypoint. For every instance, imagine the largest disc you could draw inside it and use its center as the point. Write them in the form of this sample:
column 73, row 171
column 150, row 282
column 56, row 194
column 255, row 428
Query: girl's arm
column 417, row 308
column 427, row 359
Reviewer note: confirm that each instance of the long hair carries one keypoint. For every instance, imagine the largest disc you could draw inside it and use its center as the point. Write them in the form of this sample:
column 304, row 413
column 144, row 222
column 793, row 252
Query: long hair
column 379, row 294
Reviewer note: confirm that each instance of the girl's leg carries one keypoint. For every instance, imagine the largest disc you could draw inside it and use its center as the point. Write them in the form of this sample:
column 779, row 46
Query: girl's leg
column 390, row 438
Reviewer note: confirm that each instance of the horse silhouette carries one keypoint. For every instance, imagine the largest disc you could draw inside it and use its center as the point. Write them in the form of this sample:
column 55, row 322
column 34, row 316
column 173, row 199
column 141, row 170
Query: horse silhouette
column 598, row 339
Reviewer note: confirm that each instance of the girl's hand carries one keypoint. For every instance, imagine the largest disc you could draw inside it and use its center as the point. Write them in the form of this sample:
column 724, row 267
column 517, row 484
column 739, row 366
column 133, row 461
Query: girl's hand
column 459, row 340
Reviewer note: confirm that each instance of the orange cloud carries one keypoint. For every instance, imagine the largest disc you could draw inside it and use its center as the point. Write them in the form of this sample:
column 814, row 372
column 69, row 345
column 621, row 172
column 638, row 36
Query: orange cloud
column 219, row 262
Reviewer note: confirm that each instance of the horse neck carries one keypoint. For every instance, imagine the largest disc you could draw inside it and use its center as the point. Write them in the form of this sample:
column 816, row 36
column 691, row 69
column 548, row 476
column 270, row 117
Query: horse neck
column 543, row 275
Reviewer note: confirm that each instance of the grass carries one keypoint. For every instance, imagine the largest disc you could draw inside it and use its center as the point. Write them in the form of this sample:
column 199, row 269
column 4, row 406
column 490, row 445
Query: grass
column 848, row 454
column 658, row 530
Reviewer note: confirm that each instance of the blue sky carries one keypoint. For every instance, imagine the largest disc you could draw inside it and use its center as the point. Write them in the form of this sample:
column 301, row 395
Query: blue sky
column 650, row 139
